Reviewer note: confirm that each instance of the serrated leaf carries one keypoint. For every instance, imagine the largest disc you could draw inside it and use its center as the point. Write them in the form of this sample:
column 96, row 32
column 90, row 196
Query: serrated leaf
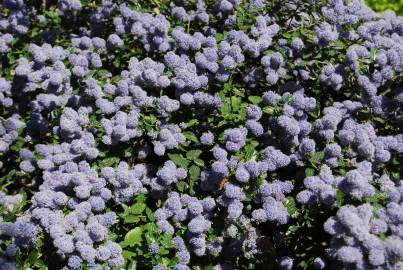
column 179, row 160
column 193, row 154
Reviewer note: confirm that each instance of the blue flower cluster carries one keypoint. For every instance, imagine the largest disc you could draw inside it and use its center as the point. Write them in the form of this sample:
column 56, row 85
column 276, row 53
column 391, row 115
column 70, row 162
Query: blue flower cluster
column 182, row 209
column 355, row 242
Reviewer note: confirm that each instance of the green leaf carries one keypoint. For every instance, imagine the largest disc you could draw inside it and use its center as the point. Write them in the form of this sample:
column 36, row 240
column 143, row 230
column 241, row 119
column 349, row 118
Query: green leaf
column 193, row 154
column 141, row 197
column 225, row 109
column 373, row 54
column 317, row 157
column 17, row 145
column 128, row 254
column 166, row 241
column 33, row 256
column 340, row 197
column 137, row 208
column 268, row 110
column 150, row 214
column 179, row 160
column 131, row 219
column 190, row 136
column 291, row 230
column 250, row 149
column 291, row 206
column 109, row 162
column 194, row 172
column 102, row 72
column 219, row 37
column 40, row 264
column 192, row 123
column 395, row 175
column 395, row 161
column 255, row 99
column 181, row 185
column 236, row 103
column 309, row 172
column 379, row 119
column 199, row 162
column 133, row 237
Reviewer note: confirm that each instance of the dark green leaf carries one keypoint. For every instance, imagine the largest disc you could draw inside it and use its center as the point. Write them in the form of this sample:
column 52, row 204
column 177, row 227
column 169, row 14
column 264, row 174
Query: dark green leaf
column 340, row 197
column 33, row 256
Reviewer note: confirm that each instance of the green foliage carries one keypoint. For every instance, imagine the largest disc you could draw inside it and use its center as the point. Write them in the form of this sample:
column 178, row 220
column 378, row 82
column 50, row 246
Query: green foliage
column 383, row 5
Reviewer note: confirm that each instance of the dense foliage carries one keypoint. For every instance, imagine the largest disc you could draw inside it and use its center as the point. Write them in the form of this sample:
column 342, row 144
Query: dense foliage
column 382, row 5
column 199, row 134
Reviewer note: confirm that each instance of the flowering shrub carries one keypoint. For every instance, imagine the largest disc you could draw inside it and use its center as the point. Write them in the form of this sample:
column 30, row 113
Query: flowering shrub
column 200, row 134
